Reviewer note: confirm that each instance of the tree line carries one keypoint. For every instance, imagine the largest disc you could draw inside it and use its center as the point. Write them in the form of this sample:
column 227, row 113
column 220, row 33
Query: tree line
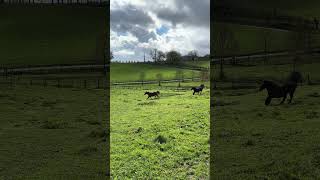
column 170, row 57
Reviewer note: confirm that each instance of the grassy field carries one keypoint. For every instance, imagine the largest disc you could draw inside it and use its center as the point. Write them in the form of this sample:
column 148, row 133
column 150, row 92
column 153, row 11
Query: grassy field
column 46, row 35
column 52, row 133
column 252, row 141
column 123, row 72
column 287, row 7
column 160, row 138
column 202, row 63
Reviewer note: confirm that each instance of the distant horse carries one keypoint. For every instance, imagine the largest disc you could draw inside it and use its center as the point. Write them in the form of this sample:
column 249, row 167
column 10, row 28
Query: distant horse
column 277, row 91
column 151, row 94
column 197, row 89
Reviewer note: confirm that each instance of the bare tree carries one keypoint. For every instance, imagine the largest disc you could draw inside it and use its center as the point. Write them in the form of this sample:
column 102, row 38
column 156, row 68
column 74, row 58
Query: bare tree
column 111, row 55
column 300, row 44
column 161, row 56
column 224, row 42
column 193, row 54
column 266, row 39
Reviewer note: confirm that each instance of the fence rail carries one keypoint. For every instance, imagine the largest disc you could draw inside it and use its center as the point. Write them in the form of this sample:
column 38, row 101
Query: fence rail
column 93, row 83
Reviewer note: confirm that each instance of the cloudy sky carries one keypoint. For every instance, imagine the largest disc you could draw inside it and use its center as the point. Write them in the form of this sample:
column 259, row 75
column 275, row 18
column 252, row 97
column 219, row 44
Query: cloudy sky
column 140, row 25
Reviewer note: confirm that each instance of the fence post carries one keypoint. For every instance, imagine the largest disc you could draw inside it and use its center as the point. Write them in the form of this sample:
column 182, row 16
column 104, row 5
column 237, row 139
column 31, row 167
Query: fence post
column 309, row 82
column 44, row 83
column 11, row 82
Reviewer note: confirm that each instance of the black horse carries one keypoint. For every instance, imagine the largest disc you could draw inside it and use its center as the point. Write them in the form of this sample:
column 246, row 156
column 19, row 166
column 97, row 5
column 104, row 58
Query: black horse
column 151, row 94
column 277, row 91
column 198, row 89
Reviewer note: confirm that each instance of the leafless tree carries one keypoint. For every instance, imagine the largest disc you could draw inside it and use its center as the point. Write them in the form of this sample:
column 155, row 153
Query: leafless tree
column 193, row 54
column 224, row 44
column 266, row 39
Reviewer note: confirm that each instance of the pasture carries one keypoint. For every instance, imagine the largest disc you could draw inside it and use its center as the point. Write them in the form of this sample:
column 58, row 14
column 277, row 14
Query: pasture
column 254, row 141
column 47, row 35
column 52, row 133
column 166, row 137
column 124, row 72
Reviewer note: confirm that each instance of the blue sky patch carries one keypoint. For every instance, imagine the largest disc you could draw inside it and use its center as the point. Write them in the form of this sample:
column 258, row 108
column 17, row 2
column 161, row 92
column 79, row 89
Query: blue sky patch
column 162, row 30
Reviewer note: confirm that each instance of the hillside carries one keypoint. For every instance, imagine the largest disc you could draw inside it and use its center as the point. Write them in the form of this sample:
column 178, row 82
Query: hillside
column 124, row 72
column 44, row 35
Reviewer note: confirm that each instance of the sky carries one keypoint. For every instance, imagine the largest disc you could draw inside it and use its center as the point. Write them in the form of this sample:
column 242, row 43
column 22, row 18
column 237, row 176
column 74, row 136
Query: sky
column 137, row 26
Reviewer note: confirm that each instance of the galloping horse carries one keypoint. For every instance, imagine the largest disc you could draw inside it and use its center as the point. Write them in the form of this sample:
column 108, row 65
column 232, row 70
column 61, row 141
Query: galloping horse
column 151, row 94
column 277, row 91
column 197, row 89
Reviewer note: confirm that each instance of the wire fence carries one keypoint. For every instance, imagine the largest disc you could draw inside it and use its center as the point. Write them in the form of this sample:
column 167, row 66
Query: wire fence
column 79, row 83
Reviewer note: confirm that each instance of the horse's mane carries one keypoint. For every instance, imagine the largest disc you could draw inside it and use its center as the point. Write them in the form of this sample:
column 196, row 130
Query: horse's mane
column 295, row 77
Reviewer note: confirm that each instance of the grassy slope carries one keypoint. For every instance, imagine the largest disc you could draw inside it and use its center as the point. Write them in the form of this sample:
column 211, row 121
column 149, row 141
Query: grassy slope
column 250, row 39
column 122, row 72
column 308, row 9
column 49, row 35
column 52, row 133
column 253, row 141
column 202, row 63
column 278, row 72
column 182, row 119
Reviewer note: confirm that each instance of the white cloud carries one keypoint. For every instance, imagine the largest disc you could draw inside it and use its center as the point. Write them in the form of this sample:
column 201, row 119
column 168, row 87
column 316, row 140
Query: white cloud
column 131, row 41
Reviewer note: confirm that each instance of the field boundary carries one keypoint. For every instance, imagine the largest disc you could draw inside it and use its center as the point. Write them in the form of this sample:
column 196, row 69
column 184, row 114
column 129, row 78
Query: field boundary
column 155, row 81
column 232, row 59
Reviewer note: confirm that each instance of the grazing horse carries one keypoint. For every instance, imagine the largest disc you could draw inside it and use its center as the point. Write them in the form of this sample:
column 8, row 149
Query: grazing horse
column 151, row 94
column 197, row 89
column 277, row 91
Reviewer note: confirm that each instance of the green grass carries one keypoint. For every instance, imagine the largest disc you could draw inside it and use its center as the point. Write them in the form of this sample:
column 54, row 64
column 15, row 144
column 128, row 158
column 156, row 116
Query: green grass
column 52, row 133
column 45, row 35
column 287, row 7
column 124, row 72
column 159, row 138
column 202, row 63
column 252, row 141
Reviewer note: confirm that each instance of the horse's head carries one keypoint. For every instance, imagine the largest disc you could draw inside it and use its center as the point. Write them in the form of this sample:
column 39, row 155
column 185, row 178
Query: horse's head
column 158, row 92
column 193, row 88
column 146, row 93
column 263, row 86
column 202, row 86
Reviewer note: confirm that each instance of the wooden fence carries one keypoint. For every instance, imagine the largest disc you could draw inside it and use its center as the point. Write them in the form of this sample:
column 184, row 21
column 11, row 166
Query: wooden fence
column 92, row 83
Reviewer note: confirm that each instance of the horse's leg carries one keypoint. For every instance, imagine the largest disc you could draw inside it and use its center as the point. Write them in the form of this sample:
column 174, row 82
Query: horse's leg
column 284, row 98
column 193, row 92
column 291, row 95
column 268, row 100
